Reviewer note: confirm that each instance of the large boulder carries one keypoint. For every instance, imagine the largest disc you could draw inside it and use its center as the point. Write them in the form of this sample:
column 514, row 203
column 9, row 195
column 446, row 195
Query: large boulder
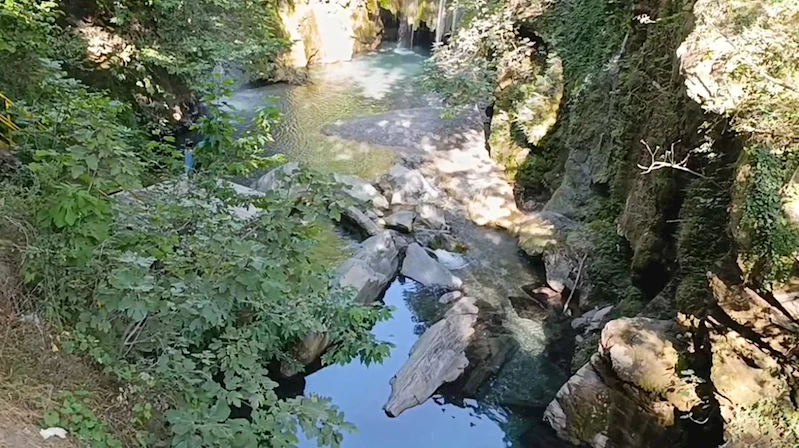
column 627, row 396
column 438, row 357
column 420, row 266
column 370, row 269
column 404, row 186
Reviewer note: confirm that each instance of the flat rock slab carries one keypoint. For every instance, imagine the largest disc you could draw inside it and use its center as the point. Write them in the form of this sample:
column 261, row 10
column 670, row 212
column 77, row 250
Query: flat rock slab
column 438, row 357
column 420, row 266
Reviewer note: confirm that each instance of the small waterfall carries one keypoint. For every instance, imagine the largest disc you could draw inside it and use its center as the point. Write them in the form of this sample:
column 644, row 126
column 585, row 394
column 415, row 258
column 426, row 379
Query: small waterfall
column 405, row 38
column 440, row 22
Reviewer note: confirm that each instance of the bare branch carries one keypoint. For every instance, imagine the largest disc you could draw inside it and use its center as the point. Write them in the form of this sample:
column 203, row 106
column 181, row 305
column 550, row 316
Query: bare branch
column 666, row 161
column 576, row 283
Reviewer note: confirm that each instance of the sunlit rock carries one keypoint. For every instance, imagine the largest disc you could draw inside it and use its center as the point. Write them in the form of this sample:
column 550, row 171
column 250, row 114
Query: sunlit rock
column 361, row 190
column 420, row 266
column 406, row 186
column 628, row 394
column 438, row 357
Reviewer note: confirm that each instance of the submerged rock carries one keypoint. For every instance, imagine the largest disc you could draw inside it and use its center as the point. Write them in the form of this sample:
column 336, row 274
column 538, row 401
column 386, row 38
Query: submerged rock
column 438, row 357
column 420, row 266
column 401, row 220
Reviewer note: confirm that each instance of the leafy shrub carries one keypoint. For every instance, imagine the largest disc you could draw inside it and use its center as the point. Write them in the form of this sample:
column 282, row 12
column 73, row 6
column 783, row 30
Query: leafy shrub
column 75, row 416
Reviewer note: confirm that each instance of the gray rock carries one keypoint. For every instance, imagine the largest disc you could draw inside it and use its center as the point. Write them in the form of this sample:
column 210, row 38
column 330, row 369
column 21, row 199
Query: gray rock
column 438, row 357
column 367, row 274
column 401, row 220
column 372, row 215
column 361, row 220
column 278, row 179
column 592, row 320
column 420, row 266
column 450, row 260
column 407, row 186
column 430, row 216
column 361, row 190
column 584, row 398
column 450, row 297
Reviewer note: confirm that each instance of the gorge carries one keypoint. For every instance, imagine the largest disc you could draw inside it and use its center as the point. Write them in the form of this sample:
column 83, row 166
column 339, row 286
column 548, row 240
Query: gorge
column 521, row 223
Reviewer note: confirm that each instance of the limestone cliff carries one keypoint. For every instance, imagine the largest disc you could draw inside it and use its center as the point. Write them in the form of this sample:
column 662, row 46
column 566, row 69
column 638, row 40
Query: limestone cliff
column 325, row 32
column 673, row 157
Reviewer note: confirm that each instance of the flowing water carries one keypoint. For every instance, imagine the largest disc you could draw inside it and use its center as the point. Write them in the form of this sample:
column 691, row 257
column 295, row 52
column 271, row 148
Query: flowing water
column 379, row 82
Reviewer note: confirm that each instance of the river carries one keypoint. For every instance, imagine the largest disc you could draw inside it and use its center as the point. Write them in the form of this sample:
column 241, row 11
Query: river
column 505, row 413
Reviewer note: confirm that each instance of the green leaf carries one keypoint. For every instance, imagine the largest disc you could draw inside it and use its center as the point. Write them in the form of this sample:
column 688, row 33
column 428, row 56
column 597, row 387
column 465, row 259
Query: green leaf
column 52, row 418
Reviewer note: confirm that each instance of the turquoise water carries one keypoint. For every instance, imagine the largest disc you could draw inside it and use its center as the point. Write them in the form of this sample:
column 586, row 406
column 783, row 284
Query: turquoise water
column 378, row 82
column 361, row 392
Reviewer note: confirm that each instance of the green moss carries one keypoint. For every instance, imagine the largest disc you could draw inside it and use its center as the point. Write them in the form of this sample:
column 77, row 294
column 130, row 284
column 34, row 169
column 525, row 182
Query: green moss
column 609, row 270
column 585, row 34
column 773, row 241
column 702, row 238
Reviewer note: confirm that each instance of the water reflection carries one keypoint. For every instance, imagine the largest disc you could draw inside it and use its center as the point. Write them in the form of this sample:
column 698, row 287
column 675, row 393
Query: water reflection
column 361, row 391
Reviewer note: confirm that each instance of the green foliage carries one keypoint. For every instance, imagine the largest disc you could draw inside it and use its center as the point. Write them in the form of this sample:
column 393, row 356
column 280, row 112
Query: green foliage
column 174, row 289
column 190, row 39
column 222, row 150
column 466, row 71
column 586, row 48
column 27, row 32
column 773, row 241
column 75, row 416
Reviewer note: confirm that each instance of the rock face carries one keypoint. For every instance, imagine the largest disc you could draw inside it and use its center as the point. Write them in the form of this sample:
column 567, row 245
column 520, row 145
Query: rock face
column 420, row 266
column 629, row 392
column 438, row 357
column 367, row 274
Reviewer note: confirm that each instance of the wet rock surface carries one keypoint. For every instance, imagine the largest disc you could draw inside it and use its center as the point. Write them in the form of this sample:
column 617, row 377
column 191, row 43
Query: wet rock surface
column 423, row 268
column 438, row 357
